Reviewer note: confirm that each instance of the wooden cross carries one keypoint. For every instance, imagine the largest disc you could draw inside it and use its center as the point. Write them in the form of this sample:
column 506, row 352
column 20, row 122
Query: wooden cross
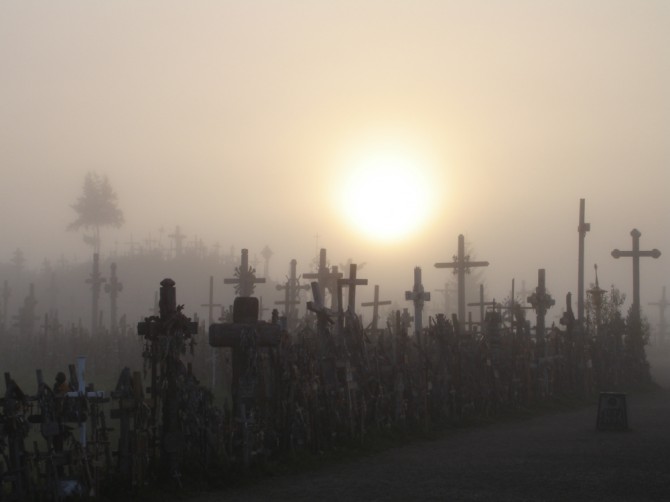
column 210, row 306
column 375, row 304
column 461, row 266
column 291, row 295
column 326, row 279
column 662, row 304
column 418, row 296
column 178, row 239
column 636, row 254
column 582, row 229
column 541, row 301
column 114, row 287
column 351, row 283
column 482, row 304
column 245, row 277
column 95, row 280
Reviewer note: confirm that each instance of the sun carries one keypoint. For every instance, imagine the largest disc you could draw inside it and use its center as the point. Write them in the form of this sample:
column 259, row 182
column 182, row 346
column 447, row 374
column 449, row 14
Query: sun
column 387, row 194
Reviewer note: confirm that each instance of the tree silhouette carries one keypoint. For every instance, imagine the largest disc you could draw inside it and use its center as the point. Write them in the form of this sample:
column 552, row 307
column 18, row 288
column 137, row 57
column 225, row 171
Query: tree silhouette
column 95, row 208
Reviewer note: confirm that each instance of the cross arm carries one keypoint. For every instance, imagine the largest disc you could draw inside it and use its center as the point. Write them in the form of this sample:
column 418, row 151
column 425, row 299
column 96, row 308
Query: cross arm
column 654, row 253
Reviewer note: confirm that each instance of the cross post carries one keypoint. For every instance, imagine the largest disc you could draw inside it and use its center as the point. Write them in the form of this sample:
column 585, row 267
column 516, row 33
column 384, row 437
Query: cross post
column 210, row 306
column 351, row 283
column 636, row 254
column 461, row 266
column 375, row 304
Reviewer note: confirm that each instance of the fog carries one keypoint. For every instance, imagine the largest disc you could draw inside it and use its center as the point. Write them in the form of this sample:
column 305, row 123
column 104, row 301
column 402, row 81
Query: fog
column 234, row 120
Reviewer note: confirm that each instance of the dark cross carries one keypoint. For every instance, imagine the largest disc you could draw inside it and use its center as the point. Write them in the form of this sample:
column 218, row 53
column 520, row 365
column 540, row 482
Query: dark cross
column 541, row 302
column 418, row 296
column 351, row 283
column 266, row 253
column 95, row 280
column 482, row 304
column 597, row 295
column 178, row 239
column 6, row 295
column 245, row 277
column 326, row 278
column 210, row 306
column 291, row 295
column 662, row 304
column 113, row 287
column 582, row 229
column 375, row 304
column 636, row 254
column 461, row 266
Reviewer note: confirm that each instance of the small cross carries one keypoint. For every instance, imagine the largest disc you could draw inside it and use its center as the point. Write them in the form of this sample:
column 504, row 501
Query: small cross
column 375, row 304
column 417, row 296
column 351, row 283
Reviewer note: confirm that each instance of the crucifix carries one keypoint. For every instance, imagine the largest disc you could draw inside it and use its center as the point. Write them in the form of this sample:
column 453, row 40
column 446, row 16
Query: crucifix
column 178, row 239
column 582, row 229
column 291, row 296
column 351, row 283
column 95, row 280
column 210, row 306
column 245, row 279
column 418, row 296
column 636, row 254
column 461, row 266
column 541, row 301
column 375, row 304
column 326, row 279
column 482, row 305
column 114, row 287
column 662, row 304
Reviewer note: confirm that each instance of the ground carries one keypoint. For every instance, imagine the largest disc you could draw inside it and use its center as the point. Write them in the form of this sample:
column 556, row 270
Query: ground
column 552, row 457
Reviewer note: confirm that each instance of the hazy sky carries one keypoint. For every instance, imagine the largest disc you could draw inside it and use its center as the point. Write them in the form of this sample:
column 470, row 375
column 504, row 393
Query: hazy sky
column 243, row 122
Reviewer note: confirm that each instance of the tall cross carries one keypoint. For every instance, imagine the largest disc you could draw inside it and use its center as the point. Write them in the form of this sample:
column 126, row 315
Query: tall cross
column 178, row 239
column 210, row 306
column 351, row 283
column 245, row 277
column 291, row 295
column 375, row 303
column 114, row 287
column 461, row 266
column 326, row 279
column 582, row 229
column 636, row 254
column 482, row 305
column 95, row 280
column 418, row 296
column 541, row 301
column 662, row 304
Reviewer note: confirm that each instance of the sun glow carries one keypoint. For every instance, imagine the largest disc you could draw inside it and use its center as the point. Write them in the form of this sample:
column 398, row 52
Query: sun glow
column 387, row 194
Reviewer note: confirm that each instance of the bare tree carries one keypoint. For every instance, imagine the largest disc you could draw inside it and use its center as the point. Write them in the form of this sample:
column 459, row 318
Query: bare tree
column 95, row 208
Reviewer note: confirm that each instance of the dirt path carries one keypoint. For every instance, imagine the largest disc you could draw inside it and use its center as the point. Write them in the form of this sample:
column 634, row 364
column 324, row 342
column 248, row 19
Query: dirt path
column 557, row 457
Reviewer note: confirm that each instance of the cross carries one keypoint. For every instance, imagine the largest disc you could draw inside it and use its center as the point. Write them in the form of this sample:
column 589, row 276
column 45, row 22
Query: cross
column 324, row 316
column 95, row 280
column 375, row 304
column 245, row 277
column 482, row 304
column 326, row 279
column 291, row 295
column 418, row 296
column 114, row 287
column 351, row 283
column 541, row 302
column 178, row 238
column 515, row 308
column 210, row 306
column 461, row 266
column 582, row 229
column 662, row 304
column 6, row 294
column 636, row 254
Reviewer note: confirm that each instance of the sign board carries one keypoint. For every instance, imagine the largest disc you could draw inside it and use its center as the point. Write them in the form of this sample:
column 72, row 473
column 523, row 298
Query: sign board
column 612, row 412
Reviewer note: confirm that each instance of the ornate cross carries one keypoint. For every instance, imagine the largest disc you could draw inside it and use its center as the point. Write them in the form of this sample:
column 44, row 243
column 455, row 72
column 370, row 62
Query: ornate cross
column 245, row 277
column 636, row 254
column 541, row 301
